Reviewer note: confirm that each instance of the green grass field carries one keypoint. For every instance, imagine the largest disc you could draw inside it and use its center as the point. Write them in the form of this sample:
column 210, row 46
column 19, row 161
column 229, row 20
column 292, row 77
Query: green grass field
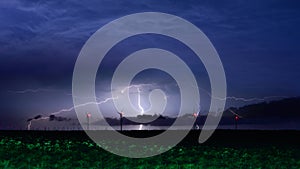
column 47, row 152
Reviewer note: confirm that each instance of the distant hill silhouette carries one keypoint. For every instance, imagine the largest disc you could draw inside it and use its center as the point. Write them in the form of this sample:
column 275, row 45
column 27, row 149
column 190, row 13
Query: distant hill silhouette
column 280, row 111
column 285, row 108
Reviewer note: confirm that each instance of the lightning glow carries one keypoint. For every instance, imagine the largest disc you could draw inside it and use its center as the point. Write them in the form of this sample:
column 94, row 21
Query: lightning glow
column 243, row 98
column 139, row 101
column 29, row 125
column 32, row 90
column 68, row 110
column 138, row 87
column 129, row 87
column 30, row 122
column 73, row 108
column 80, row 105
column 140, row 127
column 135, row 86
column 88, row 103
column 252, row 99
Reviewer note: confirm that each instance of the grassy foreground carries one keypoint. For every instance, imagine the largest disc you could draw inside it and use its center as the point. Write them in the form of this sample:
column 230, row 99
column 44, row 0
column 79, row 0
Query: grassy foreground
column 58, row 150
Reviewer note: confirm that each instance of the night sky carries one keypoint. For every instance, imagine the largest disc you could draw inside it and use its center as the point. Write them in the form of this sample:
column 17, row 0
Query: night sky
column 257, row 41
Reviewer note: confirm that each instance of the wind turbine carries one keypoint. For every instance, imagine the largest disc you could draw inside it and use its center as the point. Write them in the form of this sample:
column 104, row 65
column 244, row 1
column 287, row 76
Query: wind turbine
column 236, row 118
column 121, row 119
column 195, row 115
column 88, row 116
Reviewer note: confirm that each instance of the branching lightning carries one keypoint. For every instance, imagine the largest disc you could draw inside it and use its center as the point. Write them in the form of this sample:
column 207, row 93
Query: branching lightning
column 138, row 87
column 68, row 110
column 88, row 103
column 251, row 99
column 72, row 108
column 135, row 86
column 30, row 122
column 129, row 87
column 242, row 98
column 31, row 90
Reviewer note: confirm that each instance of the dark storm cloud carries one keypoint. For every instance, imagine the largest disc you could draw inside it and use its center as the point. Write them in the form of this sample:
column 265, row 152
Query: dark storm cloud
column 42, row 39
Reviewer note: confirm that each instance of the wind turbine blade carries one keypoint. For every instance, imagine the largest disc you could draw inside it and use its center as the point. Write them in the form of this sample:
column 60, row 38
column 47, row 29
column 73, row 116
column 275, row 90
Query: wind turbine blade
column 235, row 113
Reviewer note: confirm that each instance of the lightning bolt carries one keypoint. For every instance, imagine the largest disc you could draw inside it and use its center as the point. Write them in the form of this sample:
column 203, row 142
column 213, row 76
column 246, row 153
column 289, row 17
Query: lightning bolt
column 139, row 101
column 243, row 98
column 31, row 91
column 80, row 105
column 68, row 110
column 138, row 87
column 88, row 103
column 129, row 87
column 29, row 125
column 140, row 127
column 72, row 108
column 30, row 122
column 251, row 99
column 97, row 98
column 135, row 86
